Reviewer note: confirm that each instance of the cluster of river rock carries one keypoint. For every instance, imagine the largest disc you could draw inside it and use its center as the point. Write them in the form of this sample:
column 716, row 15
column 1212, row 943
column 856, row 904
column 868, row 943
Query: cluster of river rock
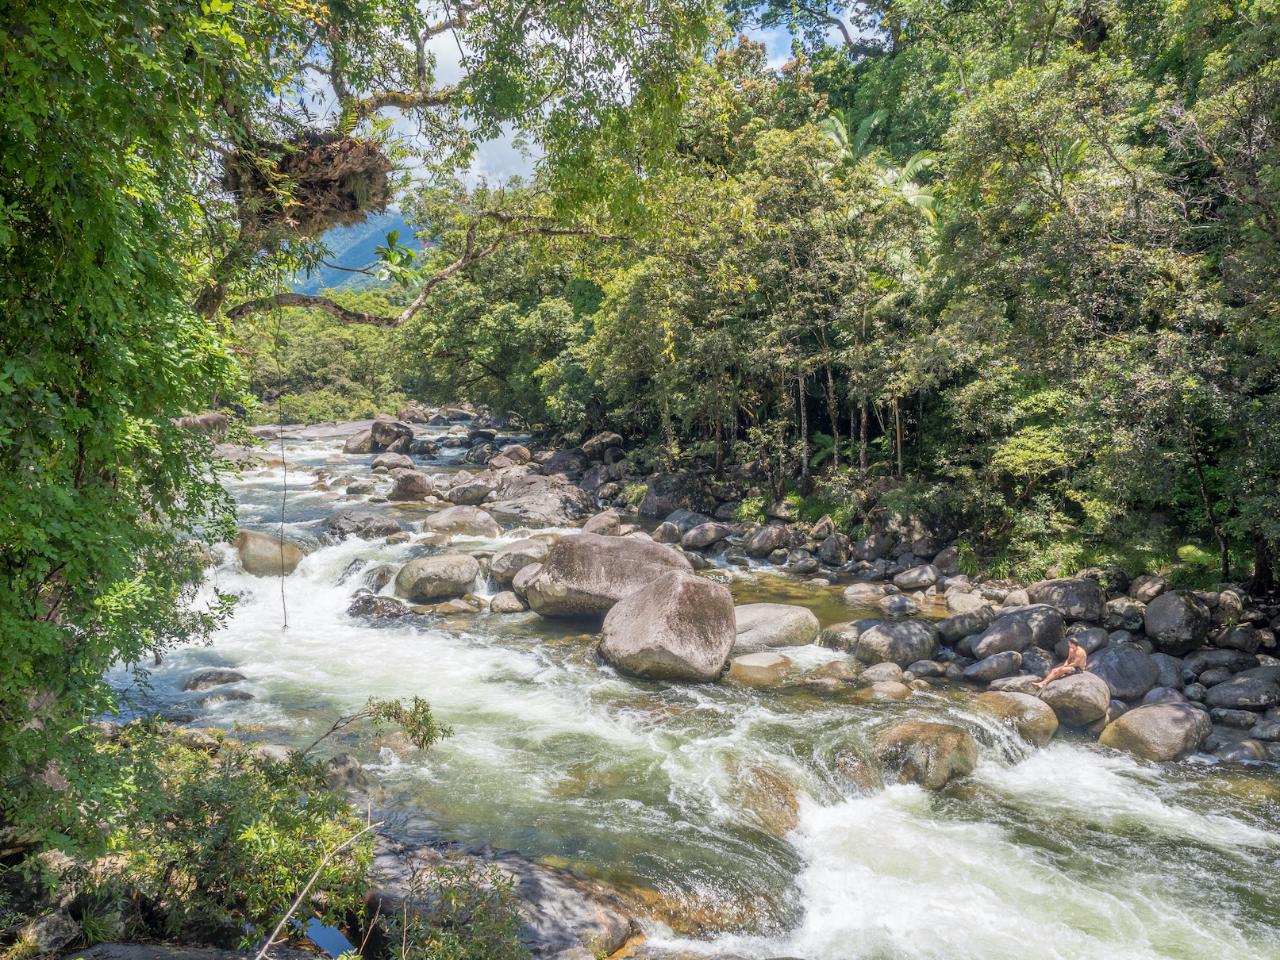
column 1169, row 672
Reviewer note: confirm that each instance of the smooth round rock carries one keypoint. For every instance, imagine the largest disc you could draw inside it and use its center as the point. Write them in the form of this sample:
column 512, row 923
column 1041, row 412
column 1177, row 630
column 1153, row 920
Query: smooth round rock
column 678, row 627
column 1127, row 670
column 1032, row 718
column 1079, row 699
column 902, row 642
column 764, row 625
column 263, row 555
column 760, row 668
column 930, row 754
column 437, row 578
column 1158, row 731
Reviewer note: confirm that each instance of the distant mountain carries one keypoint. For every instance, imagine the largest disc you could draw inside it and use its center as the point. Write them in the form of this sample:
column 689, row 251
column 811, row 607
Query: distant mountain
column 355, row 246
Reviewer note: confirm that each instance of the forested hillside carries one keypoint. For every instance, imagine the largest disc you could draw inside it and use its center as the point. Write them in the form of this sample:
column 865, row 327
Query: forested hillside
column 1016, row 263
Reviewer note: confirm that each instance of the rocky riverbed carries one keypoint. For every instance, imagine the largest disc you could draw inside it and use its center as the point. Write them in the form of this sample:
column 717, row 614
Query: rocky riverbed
column 767, row 739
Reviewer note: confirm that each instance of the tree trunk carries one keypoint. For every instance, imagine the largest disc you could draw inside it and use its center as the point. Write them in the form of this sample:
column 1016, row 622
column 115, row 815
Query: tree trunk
column 804, row 436
column 833, row 413
column 864, row 463
column 897, row 434
column 719, row 471
column 1224, row 548
column 1264, row 577
column 668, row 433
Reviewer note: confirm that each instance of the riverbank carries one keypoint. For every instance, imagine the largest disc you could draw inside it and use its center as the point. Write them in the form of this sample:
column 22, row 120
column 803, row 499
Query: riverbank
column 751, row 809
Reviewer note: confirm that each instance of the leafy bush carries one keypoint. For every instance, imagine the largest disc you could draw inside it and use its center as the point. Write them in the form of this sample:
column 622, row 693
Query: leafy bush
column 217, row 840
column 751, row 510
column 474, row 916
column 633, row 493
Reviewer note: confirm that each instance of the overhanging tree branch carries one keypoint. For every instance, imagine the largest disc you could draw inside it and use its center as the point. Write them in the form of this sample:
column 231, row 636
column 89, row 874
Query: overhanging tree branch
column 314, row 302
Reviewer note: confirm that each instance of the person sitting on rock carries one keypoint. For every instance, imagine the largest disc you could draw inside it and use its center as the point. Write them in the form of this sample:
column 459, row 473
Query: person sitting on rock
column 1074, row 663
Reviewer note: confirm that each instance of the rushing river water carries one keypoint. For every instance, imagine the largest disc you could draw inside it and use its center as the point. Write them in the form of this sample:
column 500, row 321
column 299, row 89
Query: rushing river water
column 728, row 804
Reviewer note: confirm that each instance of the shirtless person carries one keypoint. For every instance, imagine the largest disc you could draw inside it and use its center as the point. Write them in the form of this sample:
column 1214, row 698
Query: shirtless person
column 1074, row 663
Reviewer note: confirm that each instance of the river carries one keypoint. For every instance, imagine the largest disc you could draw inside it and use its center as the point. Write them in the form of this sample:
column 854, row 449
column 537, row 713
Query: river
column 728, row 805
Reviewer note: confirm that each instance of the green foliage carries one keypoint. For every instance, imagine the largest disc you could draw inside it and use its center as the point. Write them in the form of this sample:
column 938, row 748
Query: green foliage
column 633, row 493
column 307, row 366
column 213, row 843
column 751, row 510
column 474, row 917
column 414, row 719
column 981, row 263
column 103, row 102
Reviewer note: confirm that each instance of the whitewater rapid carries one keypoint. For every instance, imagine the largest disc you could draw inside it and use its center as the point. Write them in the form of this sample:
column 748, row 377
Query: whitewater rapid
column 729, row 802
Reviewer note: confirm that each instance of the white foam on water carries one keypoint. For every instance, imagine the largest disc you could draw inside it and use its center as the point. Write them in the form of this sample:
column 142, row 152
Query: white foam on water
column 886, row 879
column 1113, row 790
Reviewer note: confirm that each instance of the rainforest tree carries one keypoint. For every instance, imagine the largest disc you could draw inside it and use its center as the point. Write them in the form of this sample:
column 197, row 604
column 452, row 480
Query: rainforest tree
column 162, row 169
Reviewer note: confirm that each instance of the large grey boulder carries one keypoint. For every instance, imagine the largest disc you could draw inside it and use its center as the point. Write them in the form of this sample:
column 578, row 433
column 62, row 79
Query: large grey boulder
column 994, row 667
column 1168, row 671
column 412, row 485
column 1244, row 637
column 521, row 579
column 1005, row 635
column 506, row 602
column 376, row 607
column 536, row 501
column 390, row 435
column 1124, row 613
column 360, row 523
column 263, row 555
column 903, row 642
column 930, row 754
column 1147, row 587
column 704, row 535
column 954, row 628
column 1177, row 622
column 472, row 493
column 211, row 677
column 1045, row 622
column 763, row 625
column 1158, row 731
column 1079, row 699
column 872, row 548
column 685, row 520
column 1032, row 718
column 567, row 463
column 767, row 539
column 359, row 442
column 834, row 550
column 462, row 521
column 437, row 578
column 917, row 578
column 1129, row 671
column 678, row 627
column 607, row 523
column 1077, row 598
column 585, row 574
column 393, row 461
column 864, row 594
column 596, row 447
column 514, row 557
column 1244, row 693
column 962, row 601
